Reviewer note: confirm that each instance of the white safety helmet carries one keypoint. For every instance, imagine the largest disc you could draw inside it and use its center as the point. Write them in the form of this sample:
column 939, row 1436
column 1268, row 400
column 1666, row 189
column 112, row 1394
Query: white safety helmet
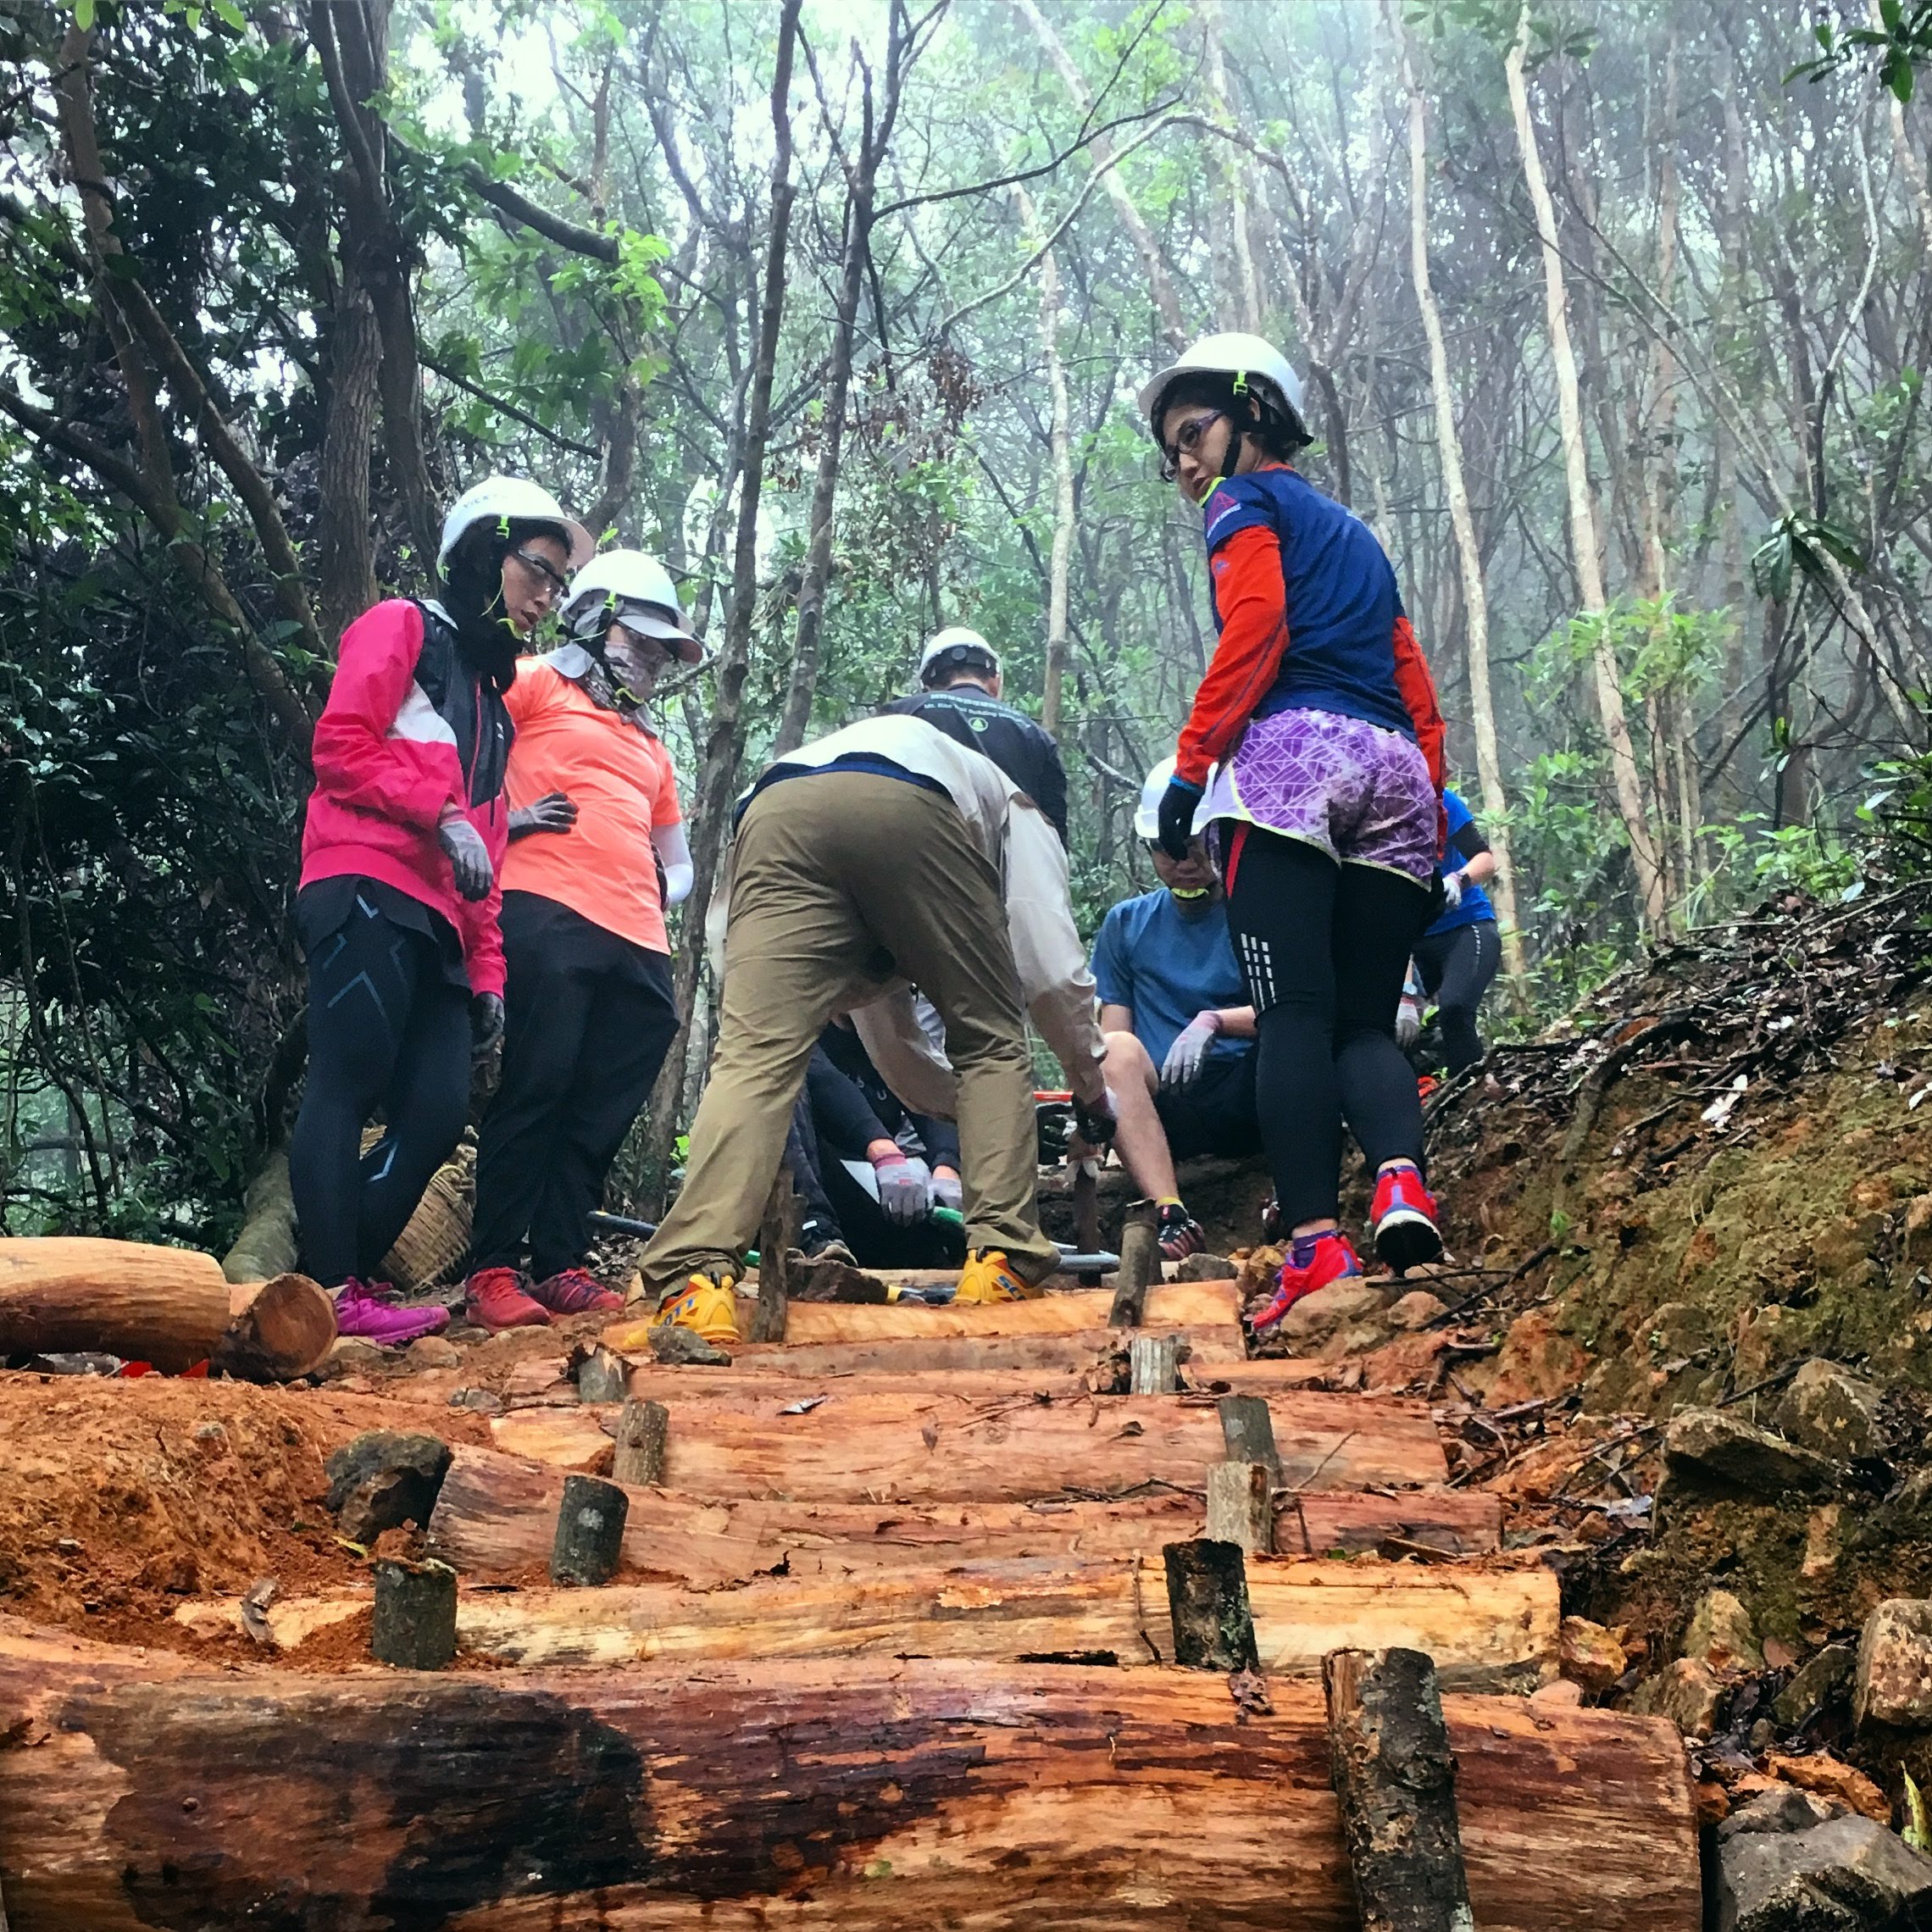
column 512, row 499
column 957, row 645
column 628, row 587
column 1247, row 358
column 1147, row 812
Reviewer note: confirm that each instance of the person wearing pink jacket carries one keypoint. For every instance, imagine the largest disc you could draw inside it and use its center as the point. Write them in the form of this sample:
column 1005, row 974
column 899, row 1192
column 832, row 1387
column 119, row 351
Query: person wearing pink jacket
column 401, row 853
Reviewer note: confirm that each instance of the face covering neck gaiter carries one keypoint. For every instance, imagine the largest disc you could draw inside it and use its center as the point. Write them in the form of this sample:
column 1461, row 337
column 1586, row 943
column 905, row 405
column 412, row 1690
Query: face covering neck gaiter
column 473, row 595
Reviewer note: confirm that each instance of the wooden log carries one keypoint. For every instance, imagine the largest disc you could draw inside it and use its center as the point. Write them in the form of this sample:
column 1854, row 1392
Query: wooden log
column 875, row 1797
column 1395, row 1777
column 414, row 1626
column 1214, row 1347
column 1247, row 1431
column 784, row 1215
column 862, row 1445
column 1140, row 1264
column 494, row 1517
column 1174, row 1304
column 590, row 1532
column 1488, row 1633
column 1241, row 1506
column 639, row 1456
column 169, row 1306
column 602, row 1376
column 1154, row 1364
column 267, row 1245
column 1208, row 1605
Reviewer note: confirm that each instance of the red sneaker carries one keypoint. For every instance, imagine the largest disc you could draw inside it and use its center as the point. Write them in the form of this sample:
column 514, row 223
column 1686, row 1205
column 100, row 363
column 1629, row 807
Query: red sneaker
column 361, row 1311
column 1403, row 1217
column 575, row 1291
column 1313, row 1261
column 499, row 1299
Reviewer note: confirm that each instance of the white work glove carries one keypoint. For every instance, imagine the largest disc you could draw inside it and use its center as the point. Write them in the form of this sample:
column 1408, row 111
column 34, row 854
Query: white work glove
column 1184, row 1058
column 1452, row 884
column 469, row 856
column 905, row 1188
column 948, row 1191
column 1409, row 1018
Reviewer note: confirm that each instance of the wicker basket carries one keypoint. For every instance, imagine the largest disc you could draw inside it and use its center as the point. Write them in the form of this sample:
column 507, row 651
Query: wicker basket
column 437, row 1237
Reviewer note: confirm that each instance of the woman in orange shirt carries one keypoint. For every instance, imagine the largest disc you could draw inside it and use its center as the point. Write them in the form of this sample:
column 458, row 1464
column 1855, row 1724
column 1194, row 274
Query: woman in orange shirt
column 598, row 852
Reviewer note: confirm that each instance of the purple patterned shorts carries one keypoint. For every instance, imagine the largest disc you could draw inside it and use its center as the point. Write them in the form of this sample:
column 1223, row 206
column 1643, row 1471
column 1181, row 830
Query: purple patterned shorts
column 1361, row 793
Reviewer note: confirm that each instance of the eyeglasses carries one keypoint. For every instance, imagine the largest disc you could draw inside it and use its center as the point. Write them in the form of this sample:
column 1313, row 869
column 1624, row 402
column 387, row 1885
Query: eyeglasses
column 553, row 585
column 1186, row 441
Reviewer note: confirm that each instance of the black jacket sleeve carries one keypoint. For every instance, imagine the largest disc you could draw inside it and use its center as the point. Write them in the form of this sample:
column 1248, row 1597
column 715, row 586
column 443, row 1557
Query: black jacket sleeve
column 1468, row 842
column 843, row 1116
column 941, row 1139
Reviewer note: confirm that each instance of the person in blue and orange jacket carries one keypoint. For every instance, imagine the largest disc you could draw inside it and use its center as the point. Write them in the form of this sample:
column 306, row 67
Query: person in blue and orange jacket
column 401, row 853
column 1314, row 750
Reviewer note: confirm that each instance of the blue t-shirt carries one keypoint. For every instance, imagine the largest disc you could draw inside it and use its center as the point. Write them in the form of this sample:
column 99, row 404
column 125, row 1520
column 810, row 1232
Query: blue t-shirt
column 1167, row 966
column 1342, row 600
column 1474, row 906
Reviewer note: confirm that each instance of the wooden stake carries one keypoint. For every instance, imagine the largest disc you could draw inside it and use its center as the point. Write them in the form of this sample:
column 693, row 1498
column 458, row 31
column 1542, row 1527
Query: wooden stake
column 1247, row 1427
column 414, row 1624
column 1153, row 1364
column 1241, row 1506
column 602, row 1376
column 1140, row 1264
column 1208, row 1599
column 1086, row 1213
column 1395, row 1777
column 641, row 1432
column 589, row 1531
column 779, row 1236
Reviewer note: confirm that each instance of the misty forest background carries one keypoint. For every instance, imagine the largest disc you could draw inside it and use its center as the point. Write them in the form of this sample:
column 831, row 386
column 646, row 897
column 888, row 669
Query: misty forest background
column 1612, row 327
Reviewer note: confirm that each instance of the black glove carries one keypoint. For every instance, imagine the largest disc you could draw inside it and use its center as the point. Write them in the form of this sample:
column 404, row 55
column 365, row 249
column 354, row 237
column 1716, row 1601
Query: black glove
column 1177, row 817
column 485, row 1022
column 469, row 856
column 1094, row 1122
column 553, row 812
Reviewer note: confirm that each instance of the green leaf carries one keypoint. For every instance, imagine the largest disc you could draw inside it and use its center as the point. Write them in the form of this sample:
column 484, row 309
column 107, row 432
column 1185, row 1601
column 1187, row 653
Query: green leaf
column 84, row 15
column 1917, row 1833
column 232, row 14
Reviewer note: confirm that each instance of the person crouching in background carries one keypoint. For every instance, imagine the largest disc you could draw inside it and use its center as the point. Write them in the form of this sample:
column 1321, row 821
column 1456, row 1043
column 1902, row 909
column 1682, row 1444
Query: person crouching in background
column 598, row 854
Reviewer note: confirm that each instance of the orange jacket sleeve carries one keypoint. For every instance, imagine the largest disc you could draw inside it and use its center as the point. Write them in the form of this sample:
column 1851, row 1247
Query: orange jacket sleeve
column 1251, row 599
column 1417, row 689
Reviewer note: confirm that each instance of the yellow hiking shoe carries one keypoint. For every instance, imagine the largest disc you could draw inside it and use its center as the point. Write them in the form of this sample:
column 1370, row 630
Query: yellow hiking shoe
column 987, row 1277
column 708, row 1307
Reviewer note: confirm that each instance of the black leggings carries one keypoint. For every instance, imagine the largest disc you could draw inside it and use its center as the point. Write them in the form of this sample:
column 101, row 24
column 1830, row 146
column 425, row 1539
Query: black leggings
column 1323, row 948
column 589, row 1019
column 1456, row 967
column 386, row 1027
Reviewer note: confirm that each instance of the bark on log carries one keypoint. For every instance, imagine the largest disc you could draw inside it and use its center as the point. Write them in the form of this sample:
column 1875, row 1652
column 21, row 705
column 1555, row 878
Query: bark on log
column 641, row 1432
column 139, row 1789
column 862, row 1445
column 413, row 1625
column 1488, row 1632
column 170, row 1306
column 1140, row 1264
column 1208, row 1606
column 590, row 1532
column 1247, row 1431
column 267, row 1244
column 779, row 1236
column 1174, row 1304
column 1241, row 1506
column 1215, row 1350
column 602, row 1375
column 494, row 1515
column 1395, row 1777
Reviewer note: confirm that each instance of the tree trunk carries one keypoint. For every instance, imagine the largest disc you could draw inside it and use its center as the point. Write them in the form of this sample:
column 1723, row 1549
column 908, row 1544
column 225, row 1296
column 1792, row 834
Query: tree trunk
column 495, row 1515
column 1060, row 446
column 1469, row 554
column 1626, row 782
column 169, row 1306
column 142, row 1788
column 346, row 539
column 935, row 1448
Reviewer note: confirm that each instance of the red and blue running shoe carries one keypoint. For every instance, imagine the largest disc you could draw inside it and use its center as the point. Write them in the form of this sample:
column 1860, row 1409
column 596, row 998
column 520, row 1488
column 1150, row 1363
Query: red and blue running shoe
column 1314, row 1261
column 1403, row 1219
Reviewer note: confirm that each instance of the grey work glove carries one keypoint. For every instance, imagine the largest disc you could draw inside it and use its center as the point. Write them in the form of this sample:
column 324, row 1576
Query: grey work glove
column 905, row 1188
column 555, row 812
column 1408, row 1020
column 469, row 856
column 948, row 1191
column 485, row 1022
column 1184, row 1058
column 1452, row 885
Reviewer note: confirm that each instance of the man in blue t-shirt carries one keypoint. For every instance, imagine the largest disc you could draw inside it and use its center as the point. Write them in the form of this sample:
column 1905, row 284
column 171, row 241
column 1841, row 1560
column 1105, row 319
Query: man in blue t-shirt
column 1455, row 959
column 1180, row 1031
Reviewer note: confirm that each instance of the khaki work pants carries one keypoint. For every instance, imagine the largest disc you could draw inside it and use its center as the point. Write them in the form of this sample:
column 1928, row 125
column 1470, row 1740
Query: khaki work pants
column 834, row 877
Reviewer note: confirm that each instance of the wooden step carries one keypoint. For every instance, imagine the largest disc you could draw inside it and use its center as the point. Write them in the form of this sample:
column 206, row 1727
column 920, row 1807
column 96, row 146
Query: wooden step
column 867, row 1795
column 862, row 1445
column 1486, row 1631
column 496, row 1516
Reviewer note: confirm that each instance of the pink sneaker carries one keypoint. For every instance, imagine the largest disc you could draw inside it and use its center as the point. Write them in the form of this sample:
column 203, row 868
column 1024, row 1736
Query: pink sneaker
column 1403, row 1217
column 499, row 1299
column 360, row 1310
column 1313, row 1261
column 575, row 1291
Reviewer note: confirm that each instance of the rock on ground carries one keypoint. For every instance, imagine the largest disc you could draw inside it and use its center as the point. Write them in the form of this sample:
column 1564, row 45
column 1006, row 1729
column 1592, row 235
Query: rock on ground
column 1893, row 1684
column 1316, row 1317
column 1829, row 1409
column 1590, row 1655
column 1722, row 1635
column 1688, row 1692
column 1712, row 1451
column 383, row 1479
column 1848, row 1874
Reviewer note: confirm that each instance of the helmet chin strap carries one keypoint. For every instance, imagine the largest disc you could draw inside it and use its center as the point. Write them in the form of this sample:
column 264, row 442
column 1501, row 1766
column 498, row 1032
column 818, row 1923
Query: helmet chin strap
column 1233, row 455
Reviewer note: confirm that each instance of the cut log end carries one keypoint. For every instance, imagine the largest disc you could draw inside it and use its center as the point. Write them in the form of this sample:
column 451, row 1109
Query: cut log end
column 283, row 1328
